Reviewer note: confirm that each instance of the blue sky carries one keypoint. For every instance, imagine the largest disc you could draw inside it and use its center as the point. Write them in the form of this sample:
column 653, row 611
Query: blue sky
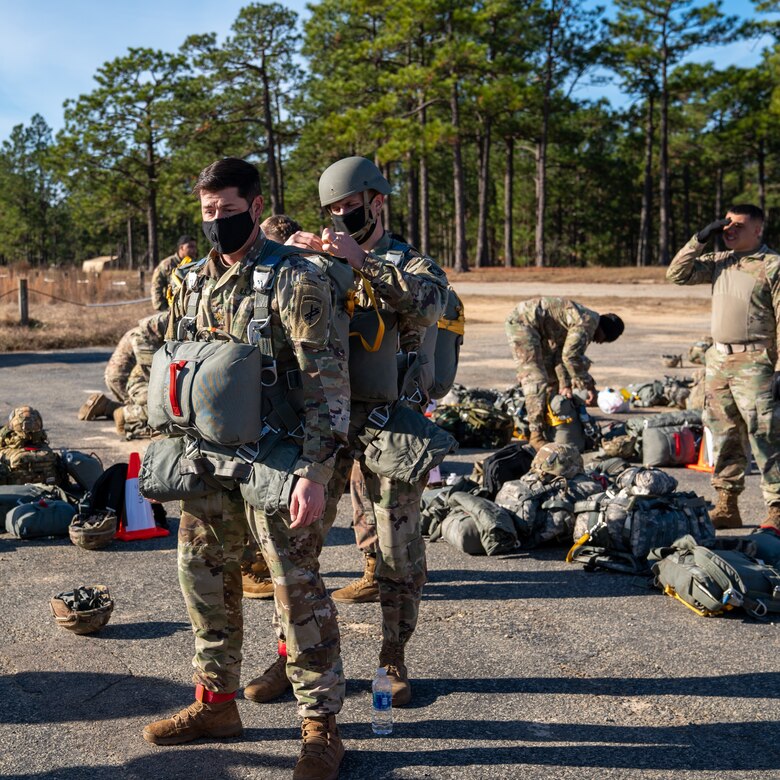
column 51, row 49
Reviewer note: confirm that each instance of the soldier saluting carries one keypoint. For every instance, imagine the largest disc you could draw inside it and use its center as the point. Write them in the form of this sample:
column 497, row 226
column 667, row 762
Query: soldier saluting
column 742, row 380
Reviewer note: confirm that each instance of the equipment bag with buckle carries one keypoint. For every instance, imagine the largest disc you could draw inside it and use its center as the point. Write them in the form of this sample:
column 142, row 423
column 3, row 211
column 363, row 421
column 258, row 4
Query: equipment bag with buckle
column 271, row 482
column 401, row 442
column 44, row 517
column 711, row 582
column 208, row 389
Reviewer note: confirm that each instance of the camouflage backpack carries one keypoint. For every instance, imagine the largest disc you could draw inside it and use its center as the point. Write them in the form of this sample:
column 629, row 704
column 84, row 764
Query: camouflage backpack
column 647, row 394
column 698, row 349
column 25, row 456
column 475, row 424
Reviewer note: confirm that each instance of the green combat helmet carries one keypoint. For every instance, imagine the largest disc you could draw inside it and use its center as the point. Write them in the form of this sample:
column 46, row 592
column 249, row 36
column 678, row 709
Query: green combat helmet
column 351, row 176
column 559, row 460
column 84, row 610
column 94, row 531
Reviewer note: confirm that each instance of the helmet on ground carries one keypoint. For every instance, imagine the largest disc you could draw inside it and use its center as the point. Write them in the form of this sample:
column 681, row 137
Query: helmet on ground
column 560, row 460
column 348, row 176
column 25, row 420
column 93, row 531
column 83, row 610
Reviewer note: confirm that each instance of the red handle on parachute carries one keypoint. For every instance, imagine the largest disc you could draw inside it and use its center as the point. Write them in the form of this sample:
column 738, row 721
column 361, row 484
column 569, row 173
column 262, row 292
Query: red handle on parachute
column 677, row 443
column 175, row 368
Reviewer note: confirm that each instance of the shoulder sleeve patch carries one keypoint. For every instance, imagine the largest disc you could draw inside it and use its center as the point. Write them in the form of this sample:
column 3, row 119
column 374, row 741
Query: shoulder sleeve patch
column 310, row 313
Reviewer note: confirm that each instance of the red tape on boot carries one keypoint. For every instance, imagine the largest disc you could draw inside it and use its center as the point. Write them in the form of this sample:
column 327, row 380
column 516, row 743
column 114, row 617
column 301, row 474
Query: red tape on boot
column 283, row 649
column 209, row 697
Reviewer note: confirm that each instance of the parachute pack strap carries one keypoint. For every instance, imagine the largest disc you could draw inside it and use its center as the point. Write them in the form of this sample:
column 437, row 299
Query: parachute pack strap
column 554, row 420
column 670, row 591
column 282, row 416
column 583, row 540
column 186, row 325
column 380, row 326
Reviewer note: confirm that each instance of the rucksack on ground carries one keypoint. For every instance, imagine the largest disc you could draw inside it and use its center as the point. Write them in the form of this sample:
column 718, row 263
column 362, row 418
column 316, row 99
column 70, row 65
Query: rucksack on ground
column 712, row 582
column 41, row 518
column 616, row 531
column 475, row 424
column 510, row 462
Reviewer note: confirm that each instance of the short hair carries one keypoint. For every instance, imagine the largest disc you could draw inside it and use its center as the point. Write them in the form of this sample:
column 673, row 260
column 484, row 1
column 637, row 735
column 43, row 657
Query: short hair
column 279, row 227
column 185, row 240
column 611, row 326
column 230, row 172
column 747, row 210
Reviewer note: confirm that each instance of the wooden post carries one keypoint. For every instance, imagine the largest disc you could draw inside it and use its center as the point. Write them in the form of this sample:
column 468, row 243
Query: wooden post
column 24, row 313
column 141, row 281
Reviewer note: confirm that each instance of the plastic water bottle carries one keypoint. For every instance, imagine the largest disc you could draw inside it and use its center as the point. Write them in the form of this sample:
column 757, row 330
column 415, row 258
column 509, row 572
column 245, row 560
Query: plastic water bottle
column 382, row 715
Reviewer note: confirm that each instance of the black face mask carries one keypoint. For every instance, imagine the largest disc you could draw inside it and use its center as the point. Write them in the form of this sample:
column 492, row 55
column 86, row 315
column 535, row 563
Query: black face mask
column 229, row 234
column 359, row 222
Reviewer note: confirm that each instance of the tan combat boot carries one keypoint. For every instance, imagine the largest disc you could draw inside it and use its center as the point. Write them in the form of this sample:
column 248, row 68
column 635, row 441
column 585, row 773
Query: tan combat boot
column 772, row 519
column 97, row 406
column 255, row 581
column 119, row 421
column 322, row 750
column 361, row 591
column 537, row 440
column 211, row 715
column 726, row 512
column 272, row 683
column 391, row 656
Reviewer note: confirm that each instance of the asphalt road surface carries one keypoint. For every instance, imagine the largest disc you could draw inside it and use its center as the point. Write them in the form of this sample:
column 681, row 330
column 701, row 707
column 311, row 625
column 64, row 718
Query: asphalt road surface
column 522, row 667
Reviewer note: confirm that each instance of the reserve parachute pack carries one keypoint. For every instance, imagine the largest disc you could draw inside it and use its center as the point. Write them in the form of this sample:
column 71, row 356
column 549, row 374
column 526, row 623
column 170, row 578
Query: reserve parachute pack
column 570, row 423
column 617, row 530
column 712, row 582
column 442, row 341
column 25, row 455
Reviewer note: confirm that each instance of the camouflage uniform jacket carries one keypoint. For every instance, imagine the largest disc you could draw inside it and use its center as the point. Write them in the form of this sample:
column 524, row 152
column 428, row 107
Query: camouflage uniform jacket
column 406, row 282
column 148, row 337
column 566, row 329
column 762, row 322
column 161, row 279
column 306, row 343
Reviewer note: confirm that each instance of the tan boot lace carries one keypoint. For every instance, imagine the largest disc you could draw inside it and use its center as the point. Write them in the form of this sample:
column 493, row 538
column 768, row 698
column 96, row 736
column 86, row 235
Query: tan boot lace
column 314, row 734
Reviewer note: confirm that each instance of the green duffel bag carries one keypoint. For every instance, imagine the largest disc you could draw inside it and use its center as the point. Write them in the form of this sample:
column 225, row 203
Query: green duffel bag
column 209, row 390
column 767, row 542
column 405, row 445
column 711, row 582
column 44, row 517
column 13, row 495
column 670, row 446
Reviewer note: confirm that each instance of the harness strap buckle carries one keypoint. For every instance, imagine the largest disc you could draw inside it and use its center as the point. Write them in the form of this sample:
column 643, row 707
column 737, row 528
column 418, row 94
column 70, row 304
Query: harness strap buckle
column 380, row 416
column 298, row 433
column 274, row 374
column 254, row 330
column 416, row 397
column 184, row 328
column 249, row 452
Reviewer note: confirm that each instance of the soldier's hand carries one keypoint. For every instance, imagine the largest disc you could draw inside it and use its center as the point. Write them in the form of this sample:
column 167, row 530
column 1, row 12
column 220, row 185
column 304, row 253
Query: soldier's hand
column 307, row 503
column 343, row 245
column 305, row 240
column 591, row 399
column 566, row 392
column 711, row 230
column 776, row 386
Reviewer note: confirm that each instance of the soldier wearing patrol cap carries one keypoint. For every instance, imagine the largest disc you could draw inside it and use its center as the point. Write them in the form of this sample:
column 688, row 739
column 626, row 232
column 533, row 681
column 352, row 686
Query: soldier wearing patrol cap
column 411, row 290
column 742, row 375
column 186, row 247
column 304, row 399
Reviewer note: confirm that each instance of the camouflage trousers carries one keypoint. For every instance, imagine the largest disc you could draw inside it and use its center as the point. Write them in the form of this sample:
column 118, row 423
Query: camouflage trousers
column 535, row 371
column 120, row 364
column 212, row 534
column 739, row 410
column 136, row 406
column 305, row 612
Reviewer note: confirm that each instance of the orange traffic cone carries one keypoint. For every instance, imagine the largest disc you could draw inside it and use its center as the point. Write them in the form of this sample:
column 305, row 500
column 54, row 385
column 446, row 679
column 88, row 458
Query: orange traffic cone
column 137, row 520
column 706, row 460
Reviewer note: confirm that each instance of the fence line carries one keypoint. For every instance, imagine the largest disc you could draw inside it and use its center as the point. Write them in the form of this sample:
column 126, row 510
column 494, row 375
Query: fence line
column 78, row 303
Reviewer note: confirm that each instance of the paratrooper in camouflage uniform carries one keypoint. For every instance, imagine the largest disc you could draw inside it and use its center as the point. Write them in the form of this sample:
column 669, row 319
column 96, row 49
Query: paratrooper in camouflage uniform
column 186, row 246
column 548, row 337
column 213, row 530
column 411, row 287
column 742, row 379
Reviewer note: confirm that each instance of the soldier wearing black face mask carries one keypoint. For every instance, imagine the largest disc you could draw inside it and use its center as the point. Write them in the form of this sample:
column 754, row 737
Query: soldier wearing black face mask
column 411, row 291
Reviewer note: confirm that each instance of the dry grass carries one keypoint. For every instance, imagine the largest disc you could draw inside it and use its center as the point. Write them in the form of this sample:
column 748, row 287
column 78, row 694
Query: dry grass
column 58, row 325
column 594, row 275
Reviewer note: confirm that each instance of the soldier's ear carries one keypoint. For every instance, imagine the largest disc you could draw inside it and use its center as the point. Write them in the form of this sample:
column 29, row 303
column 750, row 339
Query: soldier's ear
column 256, row 207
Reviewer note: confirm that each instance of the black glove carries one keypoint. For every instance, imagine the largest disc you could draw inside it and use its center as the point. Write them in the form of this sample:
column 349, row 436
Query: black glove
column 776, row 386
column 714, row 227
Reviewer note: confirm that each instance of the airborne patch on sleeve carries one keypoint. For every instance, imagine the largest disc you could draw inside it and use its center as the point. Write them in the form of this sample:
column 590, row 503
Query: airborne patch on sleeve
column 310, row 320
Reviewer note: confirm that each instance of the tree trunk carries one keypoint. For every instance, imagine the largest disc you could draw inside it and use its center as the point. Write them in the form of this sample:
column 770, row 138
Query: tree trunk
column 425, row 223
column 482, row 254
column 663, row 163
column 274, row 192
column 509, row 197
column 151, row 205
column 541, row 202
column 412, row 203
column 644, row 252
column 387, row 211
column 460, row 260
column 687, row 200
column 130, row 258
column 762, row 176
